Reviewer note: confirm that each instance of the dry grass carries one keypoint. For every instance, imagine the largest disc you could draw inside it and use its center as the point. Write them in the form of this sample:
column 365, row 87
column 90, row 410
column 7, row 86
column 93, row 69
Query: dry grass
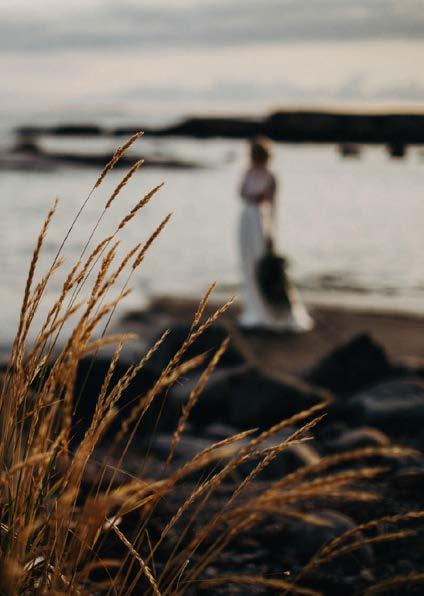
column 53, row 528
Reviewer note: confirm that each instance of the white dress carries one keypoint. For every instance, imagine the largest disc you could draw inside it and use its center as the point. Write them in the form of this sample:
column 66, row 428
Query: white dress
column 256, row 311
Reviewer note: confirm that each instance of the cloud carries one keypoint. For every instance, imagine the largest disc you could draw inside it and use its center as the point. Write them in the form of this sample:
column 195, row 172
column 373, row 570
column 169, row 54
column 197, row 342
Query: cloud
column 354, row 88
column 126, row 23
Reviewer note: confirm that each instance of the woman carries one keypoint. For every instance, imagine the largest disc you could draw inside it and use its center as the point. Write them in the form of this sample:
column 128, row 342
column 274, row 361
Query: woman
column 258, row 192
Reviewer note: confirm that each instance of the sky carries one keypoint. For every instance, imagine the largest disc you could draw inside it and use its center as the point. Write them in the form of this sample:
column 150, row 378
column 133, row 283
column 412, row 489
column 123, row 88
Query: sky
column 167, row 57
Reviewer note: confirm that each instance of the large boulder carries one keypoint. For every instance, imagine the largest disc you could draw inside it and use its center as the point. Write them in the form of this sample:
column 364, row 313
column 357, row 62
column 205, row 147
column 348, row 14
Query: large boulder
column 396, row 407
column 308, row 538
column 208, row 342
column 353, row 366
column 245, row 398
column 259, row 400
column 213, row 404
column 164, row 412
column 90, row 376
column 408, row 483
column 191, row 445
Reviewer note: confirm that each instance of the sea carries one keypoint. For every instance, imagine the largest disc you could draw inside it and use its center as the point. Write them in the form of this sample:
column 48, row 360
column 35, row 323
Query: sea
column 351, row 228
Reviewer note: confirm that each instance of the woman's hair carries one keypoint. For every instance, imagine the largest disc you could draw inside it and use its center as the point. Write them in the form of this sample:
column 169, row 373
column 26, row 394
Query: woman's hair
column 260, row 150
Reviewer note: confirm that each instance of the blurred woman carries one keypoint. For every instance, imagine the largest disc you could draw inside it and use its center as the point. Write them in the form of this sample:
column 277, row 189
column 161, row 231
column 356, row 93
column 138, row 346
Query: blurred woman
column 258, row 191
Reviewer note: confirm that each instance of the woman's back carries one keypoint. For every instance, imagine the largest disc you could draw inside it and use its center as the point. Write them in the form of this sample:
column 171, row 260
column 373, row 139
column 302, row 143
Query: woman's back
column 258, row 185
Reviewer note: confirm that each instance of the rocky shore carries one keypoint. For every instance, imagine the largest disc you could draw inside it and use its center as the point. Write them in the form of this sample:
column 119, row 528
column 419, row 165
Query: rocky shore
column 27, row 154
column 294, row 126
column 368, row 368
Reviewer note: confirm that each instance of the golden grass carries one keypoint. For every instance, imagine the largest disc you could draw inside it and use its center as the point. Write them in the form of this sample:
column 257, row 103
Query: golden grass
column 397, row 583
column 276, row 584
column 194, row 396
column 338, row 547
column 53, row 528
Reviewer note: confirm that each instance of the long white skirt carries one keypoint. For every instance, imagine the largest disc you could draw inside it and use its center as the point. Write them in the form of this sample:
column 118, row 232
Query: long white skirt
column 256, row 312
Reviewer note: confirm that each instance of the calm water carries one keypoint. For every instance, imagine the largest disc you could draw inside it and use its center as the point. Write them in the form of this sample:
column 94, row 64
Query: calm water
column 351, row 228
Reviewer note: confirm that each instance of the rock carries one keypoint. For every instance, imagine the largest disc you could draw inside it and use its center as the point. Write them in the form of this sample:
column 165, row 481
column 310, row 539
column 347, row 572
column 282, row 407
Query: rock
column 395, row 407
column 319, row 126
column 191, row 445
column 204, row 128
column 306, row 538
column 219, row 431
column 256, row 400
column 187, row 448
column 295, row 456
column 62, row 130
column 288, row 125
column 90, row 376
column 245, row 398
column 209, row 342
column 213, row 404
column 353, row 366
column 408, row 483
column 59, row 159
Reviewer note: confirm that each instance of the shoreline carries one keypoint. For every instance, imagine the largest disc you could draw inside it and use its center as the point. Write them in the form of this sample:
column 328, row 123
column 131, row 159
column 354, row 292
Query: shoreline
column 338, row 318
column 353, row 367
column 401, row 334
column 367, row 303
column 298, row 125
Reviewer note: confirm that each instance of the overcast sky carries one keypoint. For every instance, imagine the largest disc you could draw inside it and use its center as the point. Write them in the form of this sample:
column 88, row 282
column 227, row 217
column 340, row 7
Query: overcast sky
column 204, row 54
column 46, row 25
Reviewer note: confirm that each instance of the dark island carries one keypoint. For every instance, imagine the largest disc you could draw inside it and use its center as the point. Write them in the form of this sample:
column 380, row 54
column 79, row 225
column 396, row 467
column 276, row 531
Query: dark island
column 293, row 126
